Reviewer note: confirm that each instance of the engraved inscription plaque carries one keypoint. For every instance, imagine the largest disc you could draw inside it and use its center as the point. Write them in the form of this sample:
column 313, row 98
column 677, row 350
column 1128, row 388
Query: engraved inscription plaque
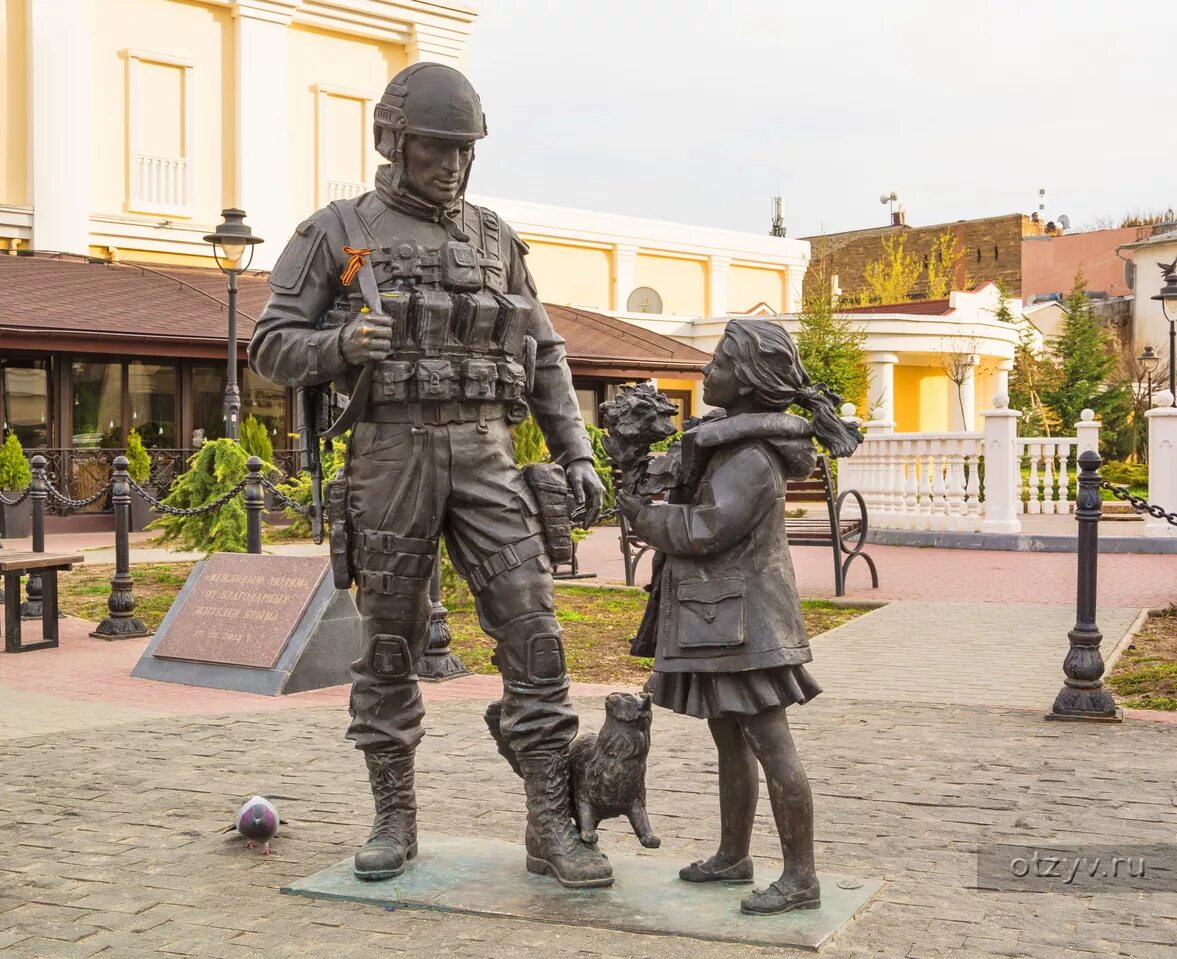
column 241, row 609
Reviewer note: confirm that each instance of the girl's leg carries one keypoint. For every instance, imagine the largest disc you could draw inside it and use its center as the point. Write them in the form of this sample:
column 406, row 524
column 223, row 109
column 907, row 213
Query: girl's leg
column 768, row 736
column 738, row 788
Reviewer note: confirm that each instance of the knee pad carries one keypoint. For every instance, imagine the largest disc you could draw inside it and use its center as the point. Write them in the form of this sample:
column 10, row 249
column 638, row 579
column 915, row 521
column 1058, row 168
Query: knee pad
column 391, row 657
column 530, row 650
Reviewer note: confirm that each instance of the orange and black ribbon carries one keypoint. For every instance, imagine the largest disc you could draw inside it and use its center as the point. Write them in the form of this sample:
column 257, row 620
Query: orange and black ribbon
column 353, row 264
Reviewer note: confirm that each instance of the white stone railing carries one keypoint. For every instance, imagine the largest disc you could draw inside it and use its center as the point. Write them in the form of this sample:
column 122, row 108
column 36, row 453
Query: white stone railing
column 161, row 182
column 967, row 481
column 918, row 480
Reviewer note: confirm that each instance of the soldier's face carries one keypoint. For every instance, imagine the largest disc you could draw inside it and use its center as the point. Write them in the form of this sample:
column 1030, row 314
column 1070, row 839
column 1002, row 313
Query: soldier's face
column 435, row 168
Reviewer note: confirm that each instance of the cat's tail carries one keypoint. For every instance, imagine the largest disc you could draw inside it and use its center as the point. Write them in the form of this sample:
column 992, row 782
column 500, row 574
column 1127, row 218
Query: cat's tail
column 493, row 715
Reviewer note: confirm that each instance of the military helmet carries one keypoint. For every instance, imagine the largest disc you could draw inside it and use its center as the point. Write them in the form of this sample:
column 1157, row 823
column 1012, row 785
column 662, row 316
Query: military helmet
column 431, row 100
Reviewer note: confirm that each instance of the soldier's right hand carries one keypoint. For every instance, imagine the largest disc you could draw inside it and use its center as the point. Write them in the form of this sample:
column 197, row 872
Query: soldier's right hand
column 367, row 339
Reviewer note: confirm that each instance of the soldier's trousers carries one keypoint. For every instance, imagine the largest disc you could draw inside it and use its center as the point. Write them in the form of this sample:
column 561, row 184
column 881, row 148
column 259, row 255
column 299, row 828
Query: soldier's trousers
column 407, row 486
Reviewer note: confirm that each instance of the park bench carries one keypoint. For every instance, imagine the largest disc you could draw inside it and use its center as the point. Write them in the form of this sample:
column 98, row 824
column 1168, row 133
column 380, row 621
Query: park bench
column 833, row 529
column 47, row 565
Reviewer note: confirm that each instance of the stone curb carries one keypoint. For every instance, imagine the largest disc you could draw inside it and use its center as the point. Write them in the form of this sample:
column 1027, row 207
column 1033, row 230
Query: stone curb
column 1017, row 542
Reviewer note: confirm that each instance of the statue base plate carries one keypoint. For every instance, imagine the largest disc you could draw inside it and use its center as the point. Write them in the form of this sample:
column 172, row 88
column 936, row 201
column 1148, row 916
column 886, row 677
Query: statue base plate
column 487, row 877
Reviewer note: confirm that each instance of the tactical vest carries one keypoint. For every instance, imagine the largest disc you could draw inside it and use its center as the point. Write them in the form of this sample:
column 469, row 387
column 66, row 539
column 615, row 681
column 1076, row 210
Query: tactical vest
column 457, row 334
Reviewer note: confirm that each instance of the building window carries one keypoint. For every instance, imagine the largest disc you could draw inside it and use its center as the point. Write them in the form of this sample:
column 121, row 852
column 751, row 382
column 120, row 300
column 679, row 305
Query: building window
column 97, row 404
column 341, row 143
column 160, row 92
column 153, row 390
column 266, row 402
column 995, row 256
column 208, row 400
column 25, row 402
column 644, row 300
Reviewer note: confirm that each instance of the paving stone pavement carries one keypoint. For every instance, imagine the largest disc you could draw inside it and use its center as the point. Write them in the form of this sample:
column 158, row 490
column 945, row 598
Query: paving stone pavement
column 965, row 653
column 111, row 845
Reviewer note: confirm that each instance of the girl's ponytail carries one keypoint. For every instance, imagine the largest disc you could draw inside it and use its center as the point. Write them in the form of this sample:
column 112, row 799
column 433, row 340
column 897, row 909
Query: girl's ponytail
column 838, row 436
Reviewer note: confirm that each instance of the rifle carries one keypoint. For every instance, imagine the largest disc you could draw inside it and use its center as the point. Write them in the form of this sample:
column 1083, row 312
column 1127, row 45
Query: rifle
column 314, row 406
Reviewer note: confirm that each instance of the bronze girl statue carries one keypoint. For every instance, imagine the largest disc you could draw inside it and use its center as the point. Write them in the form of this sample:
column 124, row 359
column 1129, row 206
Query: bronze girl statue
column 724, row 620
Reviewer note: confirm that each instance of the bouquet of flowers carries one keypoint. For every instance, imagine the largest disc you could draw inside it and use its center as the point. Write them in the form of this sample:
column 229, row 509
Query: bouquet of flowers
column 637, row 418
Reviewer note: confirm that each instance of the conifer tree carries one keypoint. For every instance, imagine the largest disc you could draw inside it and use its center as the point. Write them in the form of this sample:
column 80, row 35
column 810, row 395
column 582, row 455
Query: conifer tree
column 213, row 470
column 1085, row 362
column 1033, row 372
column 830, row 345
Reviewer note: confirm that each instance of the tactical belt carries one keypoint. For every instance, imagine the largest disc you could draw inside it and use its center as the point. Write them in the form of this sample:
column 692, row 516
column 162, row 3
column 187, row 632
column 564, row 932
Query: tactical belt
column 505, row 560
column 373, row 541
column 435, row 414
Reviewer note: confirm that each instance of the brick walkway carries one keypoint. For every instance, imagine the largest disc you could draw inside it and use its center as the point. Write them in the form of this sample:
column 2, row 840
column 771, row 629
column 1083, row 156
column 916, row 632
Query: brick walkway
column 112, row 848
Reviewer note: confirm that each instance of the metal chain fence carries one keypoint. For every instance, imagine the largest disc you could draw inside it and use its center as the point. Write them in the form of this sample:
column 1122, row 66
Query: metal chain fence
column 61, row 499
column 5, row 501
column 1141, row 506
column 196, row 511
column 283, row 500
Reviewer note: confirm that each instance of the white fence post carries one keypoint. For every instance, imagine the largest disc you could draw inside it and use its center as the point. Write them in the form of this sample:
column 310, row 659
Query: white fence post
column 1162, row 463
column 1001, row 468
column 1087, row 433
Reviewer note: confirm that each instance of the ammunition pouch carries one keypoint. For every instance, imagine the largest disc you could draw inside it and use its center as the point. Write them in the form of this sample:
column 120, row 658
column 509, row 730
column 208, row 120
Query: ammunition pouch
column 550, row 486
column 341, row 568
column 436, row 380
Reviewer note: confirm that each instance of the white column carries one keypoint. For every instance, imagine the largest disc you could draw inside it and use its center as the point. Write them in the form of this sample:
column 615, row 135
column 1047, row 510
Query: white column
column 1086, row 432
column 793, row 283
column 60, row 123
column 717, row 271
column 1001, row 378
column 963, row 408
column 1001, row 467
column 880, row 390
column 624, row 261
column 1162, row 462
column 262, row 96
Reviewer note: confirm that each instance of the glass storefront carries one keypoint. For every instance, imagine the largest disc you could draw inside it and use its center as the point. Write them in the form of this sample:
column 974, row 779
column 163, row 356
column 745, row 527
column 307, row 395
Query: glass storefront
column 208, row 402
column 97, row 404
column 153, row 392
column 267, row 402
column 25, row 401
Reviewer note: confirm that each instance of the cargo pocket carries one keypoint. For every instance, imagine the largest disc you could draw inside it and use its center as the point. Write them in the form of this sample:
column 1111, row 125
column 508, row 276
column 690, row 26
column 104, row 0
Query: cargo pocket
column 392, row 381
column 545, row 660
column 513, row 378
column 436, row 380
column 391, row 658
column 710, row 613
column 478, row 379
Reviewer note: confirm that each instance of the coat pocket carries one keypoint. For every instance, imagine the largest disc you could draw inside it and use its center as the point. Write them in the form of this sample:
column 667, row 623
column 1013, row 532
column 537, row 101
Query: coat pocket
column 710, row 613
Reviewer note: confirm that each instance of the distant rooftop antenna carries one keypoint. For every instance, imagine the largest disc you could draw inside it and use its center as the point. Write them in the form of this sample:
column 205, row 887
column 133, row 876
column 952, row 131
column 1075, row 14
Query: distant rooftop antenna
column 778, row 217
column 1042, row 203
column 890, row 198
column 1064, row 221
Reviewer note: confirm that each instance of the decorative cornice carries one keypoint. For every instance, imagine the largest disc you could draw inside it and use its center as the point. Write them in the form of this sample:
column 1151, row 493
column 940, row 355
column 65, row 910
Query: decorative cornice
column 440, row 30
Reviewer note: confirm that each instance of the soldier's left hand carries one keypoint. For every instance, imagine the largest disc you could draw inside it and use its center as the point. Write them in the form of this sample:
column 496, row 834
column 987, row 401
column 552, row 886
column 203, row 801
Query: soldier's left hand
column 587, row 490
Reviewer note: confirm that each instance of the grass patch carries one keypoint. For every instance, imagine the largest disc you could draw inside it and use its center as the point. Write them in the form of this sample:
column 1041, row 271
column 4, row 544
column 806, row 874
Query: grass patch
column 1145, row 676
column 598, row 623
column 84, row 590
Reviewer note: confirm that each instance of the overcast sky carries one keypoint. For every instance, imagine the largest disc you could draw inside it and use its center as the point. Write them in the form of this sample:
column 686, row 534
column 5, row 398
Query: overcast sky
column 698, row 111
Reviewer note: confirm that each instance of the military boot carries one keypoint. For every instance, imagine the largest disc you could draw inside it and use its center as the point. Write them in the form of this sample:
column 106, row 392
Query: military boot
column 394, row 831
column 554, row 847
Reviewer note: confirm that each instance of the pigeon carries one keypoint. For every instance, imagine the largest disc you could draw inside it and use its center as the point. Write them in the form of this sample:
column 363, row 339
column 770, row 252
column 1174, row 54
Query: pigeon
column 257, row 820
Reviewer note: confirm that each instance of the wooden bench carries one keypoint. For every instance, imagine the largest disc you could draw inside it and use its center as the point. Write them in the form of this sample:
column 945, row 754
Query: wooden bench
column 12, row 567
column 832, row 530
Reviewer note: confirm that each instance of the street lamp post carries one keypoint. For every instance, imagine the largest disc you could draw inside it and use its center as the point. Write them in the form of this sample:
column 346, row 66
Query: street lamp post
column 1168, row 295
column 230, row 241
column 1149, row 361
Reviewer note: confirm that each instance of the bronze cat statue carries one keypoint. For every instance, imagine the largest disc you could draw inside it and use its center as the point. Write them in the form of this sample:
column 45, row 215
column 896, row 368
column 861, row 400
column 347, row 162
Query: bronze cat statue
column 607, row 776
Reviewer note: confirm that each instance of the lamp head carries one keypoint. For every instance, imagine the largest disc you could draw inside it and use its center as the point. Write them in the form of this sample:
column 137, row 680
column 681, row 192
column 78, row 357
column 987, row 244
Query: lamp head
column 231, row 239
column 1148, row 360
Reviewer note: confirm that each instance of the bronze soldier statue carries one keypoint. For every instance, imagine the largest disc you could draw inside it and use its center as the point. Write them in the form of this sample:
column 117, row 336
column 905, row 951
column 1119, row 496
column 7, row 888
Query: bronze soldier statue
column 419, row 306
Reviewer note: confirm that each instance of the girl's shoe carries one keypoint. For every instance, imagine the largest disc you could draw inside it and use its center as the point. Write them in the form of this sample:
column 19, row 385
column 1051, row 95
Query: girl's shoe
column 778, row 898
column 704, row 870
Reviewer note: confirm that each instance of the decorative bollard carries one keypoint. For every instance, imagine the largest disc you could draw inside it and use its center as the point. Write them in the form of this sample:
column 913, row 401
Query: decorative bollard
column 121, row 623
column 31, row 608
column 439, row 662
column 1084, row 697
column 255, row 502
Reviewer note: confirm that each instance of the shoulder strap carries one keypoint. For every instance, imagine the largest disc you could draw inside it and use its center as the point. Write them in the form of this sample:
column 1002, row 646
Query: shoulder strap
column 357, row 241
